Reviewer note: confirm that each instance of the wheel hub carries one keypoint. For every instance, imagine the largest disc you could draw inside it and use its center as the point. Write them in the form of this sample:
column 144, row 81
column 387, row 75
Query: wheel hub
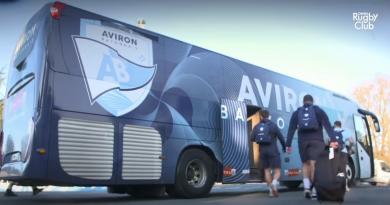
column 196, row 173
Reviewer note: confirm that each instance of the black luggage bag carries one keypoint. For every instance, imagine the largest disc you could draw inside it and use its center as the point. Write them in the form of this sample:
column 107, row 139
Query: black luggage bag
column 330, row 176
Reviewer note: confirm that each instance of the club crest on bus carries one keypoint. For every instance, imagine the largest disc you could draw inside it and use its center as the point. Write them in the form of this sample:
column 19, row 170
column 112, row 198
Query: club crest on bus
column 114, row 82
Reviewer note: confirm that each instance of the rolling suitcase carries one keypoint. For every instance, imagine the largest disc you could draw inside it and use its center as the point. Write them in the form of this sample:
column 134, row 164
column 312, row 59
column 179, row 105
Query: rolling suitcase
column 329, row 176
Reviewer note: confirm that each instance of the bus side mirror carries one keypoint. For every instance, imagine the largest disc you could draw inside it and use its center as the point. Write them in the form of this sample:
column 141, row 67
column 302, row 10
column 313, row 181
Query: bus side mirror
column 377, row 126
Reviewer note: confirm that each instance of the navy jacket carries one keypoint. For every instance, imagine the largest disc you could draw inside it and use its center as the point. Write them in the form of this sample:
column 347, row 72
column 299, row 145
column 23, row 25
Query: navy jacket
column 274, row 131
column 323, row 120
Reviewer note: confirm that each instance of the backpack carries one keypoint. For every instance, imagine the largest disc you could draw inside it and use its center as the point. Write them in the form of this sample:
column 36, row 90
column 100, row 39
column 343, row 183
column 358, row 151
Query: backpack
column 307, row 119
column 263, row 133
column 339, row 138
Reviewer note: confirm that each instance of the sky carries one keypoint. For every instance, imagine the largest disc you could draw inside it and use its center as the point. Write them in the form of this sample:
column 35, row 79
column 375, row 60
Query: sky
column 314, row 41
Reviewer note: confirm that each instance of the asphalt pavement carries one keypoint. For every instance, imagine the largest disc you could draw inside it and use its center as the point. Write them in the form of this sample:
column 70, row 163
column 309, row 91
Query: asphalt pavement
column 237, row 194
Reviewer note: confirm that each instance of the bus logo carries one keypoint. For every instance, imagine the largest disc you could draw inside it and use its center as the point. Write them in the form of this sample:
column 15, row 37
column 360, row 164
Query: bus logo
column 114, row 82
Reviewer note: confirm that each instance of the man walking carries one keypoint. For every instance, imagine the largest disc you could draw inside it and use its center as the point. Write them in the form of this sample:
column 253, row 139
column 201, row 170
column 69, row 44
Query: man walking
column 265, row 134
column 345, row 142
column 310, row 121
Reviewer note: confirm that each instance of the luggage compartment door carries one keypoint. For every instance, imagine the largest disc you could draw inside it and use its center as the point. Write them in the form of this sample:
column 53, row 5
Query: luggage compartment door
column 235, row 145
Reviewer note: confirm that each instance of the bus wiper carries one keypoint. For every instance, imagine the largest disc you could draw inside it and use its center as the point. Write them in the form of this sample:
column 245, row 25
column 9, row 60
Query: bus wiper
column 20, row 84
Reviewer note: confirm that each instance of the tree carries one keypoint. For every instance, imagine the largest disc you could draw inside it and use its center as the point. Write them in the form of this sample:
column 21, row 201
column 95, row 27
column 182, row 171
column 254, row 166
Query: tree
column 375, row 96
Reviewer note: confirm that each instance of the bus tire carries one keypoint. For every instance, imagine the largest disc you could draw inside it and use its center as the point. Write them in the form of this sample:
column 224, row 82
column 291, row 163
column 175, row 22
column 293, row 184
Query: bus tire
column 350, row 172
column 291, row 184
column 146, row 191
column 195, row 175
column 373, row 183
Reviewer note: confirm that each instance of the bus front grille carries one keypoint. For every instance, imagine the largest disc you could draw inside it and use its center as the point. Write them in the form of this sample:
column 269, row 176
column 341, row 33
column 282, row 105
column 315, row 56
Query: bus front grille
column 141, row 153
column 86, row 148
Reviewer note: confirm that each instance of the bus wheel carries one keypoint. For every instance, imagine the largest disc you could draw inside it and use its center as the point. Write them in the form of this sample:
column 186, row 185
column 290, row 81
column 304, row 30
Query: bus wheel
column 350, row 171
column 146, row 191
column 194, row 175
column 291, row 184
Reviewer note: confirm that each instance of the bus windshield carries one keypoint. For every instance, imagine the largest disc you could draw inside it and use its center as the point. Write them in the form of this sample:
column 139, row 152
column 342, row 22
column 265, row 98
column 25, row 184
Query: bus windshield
column 23, row 90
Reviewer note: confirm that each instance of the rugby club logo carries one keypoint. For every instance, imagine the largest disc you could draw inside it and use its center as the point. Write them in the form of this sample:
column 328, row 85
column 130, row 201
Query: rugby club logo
column 113, row 80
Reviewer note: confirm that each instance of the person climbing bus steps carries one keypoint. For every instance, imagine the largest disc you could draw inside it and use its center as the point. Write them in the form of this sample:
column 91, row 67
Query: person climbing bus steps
column 265, row 134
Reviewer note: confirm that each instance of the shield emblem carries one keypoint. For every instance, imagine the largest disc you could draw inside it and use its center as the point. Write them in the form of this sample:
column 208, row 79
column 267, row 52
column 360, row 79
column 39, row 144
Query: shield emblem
column 113, row 81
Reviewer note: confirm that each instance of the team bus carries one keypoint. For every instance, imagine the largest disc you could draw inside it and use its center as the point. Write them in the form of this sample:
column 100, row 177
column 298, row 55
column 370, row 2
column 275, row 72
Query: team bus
column 91, row 101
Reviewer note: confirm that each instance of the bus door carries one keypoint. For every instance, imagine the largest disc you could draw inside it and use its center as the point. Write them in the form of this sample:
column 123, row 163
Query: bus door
column 365, row 150
column 364, row 147
column 235, row 145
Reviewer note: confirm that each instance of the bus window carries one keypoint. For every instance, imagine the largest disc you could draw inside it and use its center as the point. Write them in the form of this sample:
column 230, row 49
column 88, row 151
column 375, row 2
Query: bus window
column 362, row 133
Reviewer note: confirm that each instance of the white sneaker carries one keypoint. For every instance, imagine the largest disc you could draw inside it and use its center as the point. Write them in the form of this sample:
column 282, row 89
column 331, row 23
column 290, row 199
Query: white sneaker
column 307, row 193
column 313, row 194
column 274, row 190
column 271, row 193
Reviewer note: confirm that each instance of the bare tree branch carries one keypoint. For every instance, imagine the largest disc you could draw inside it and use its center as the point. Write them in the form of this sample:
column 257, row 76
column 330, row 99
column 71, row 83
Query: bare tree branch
column 375, row 96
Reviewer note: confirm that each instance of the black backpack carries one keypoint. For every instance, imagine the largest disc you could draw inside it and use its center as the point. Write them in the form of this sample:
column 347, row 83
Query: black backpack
column 339, row 138
column 307, row 118
column 263, row 133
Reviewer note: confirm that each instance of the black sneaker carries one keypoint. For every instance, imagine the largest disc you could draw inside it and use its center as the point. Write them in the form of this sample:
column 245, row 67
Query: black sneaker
column 36, row 191
column 9, row 192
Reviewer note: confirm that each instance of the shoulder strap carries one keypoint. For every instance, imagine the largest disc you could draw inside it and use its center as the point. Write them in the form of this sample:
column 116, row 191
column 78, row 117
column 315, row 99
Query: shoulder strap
column 316, row 108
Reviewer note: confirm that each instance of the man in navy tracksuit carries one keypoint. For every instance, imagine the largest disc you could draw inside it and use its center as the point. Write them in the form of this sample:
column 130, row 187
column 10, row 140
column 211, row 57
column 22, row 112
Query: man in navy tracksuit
column 310, row 121
column 265, row 134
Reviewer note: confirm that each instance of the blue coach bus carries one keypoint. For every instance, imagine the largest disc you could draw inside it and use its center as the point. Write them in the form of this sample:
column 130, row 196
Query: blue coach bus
column 91, row 101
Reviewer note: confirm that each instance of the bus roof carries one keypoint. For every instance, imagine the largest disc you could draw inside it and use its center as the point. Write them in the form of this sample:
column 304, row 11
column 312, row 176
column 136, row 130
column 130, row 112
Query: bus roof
column 154, row 35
